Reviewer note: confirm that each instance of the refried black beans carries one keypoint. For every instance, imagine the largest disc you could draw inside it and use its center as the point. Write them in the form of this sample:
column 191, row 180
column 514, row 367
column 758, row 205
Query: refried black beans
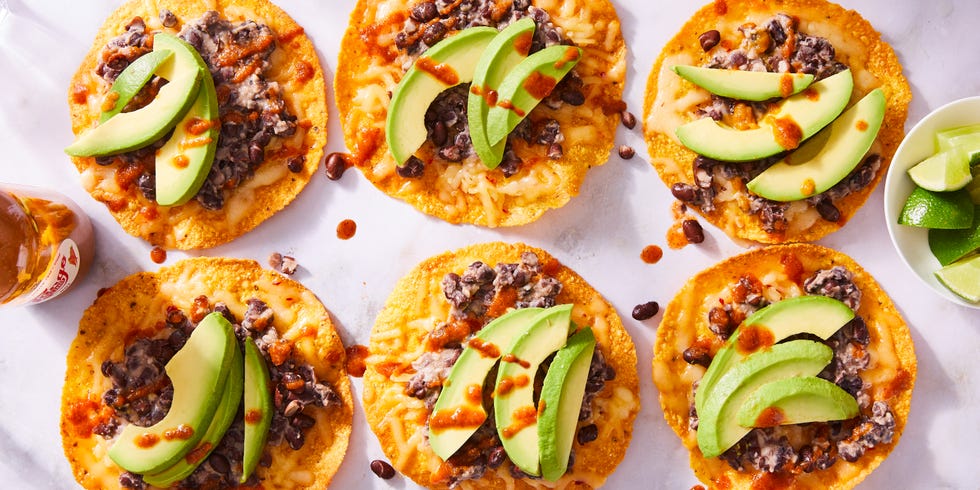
column 472, row 295
column 141, row 392
column 446, row 121
column 251, row 108
column 764, row 48
column 769, row 449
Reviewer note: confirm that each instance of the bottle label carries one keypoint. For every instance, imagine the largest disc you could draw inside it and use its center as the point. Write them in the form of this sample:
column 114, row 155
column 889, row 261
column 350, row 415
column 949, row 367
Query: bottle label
column 63, row 270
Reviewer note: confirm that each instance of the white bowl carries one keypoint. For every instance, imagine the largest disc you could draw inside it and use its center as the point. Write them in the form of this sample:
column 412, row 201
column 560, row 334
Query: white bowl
column 910, row 241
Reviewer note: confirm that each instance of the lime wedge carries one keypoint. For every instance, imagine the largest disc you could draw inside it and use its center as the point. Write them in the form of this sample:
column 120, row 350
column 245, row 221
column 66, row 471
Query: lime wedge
column 967, row 137
column 963, row 278
column 944, row 210
column 974, row 186
column 951, row 245
column 945, row 171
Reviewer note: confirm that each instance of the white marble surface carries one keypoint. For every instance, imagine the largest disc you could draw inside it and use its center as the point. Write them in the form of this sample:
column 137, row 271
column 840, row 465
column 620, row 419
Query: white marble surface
column 622, row 207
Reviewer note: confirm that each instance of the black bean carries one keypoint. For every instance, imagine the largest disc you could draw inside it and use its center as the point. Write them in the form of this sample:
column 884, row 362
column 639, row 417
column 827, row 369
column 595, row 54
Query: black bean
column 628, row 119
column 131, row 480
column 683, row 192
column 738, row 58
column 294, row 437
column 452, row 153
column 693, row 231
column 828, row 211
column 412, row 169
column 295, row 164
column 168, row 18
column 335, row 166
column 609, row 373
column 424, row 12
column 292, row 408
column 434, row 33
column 698, row 355
column 219, row 463
column 439, row 133
column 626, row 152
column 303, row 421
column 573, row 97
column 709, row 39
column 496, row 457
column 555, row 151
column 147, row 184
column 587, row 434
column 382, row 469
column 645, row 311
column 255, row 154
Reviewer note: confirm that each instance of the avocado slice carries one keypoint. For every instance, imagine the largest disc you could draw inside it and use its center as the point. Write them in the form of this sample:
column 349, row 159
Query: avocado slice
column 825, row 159
column 224, row 415
column 447, row 64
column 132, row 79
column 513, row 404
column 198, row 372
column 504, row 52
column 745, row 85
column 794, row 119
column 526, row 85
column 184, row 161
column 561, row 401
column 813, row 314
column 459, row 411
column 258, row 407
column 717, row 428
column 796, row 401
column 131, row 130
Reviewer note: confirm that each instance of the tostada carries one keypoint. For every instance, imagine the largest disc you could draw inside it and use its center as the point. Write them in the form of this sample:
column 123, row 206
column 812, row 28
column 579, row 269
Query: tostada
column 481, row 111
column 775, row 119
column 196, row 121
column 784, row 367
column 211, row 373
column 496, row 366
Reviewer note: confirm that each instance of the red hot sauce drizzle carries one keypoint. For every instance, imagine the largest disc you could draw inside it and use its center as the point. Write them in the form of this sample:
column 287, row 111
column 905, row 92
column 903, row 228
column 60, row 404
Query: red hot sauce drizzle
column 253, row 416
column 770, row 417
column 512, row 358
column 571, row 54
column 754, row 337
column 486, row 349
column 786, row 85
column 440, row 71
column 506, row 104
column 460, row 417
column 787, row 132
column 522, row 44
column 539, row 85
column 523, row 417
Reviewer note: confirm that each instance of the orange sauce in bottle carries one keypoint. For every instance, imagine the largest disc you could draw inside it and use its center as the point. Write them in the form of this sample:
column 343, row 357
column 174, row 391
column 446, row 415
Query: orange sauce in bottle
column 46, row 244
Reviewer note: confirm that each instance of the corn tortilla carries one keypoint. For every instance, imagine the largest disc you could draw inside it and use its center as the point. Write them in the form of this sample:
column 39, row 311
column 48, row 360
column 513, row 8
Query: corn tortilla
column 136, row 307
column 369, row 68
column 670, row 102
column 294, row 65
column 417, row 305
column 891, row 373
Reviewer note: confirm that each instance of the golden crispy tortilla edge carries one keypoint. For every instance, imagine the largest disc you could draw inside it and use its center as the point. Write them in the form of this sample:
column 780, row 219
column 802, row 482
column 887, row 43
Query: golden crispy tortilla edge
column 684, row 320
column 594, row 461
column 132, row 308
column 203, row 228
column 365, row 137
column 881, row 61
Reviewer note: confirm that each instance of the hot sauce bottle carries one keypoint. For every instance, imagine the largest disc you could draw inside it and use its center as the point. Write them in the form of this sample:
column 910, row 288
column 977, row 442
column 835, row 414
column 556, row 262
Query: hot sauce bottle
column 46, row 244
